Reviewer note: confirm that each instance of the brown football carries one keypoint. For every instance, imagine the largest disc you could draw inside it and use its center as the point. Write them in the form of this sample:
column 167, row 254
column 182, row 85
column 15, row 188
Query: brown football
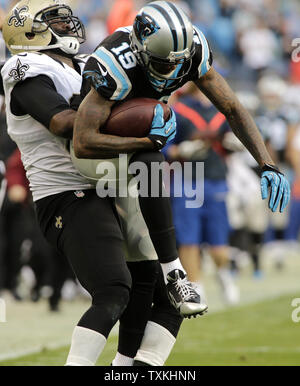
column 133, row 118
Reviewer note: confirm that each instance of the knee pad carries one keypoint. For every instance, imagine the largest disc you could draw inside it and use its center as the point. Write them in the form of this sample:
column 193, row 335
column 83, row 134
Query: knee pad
column 112, row 300
column 114, row 290
column 108, row 304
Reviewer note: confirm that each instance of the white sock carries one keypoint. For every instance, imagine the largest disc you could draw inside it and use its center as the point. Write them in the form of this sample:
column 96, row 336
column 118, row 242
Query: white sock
column 230, row 290
column 168, row 267
column 156, row 345
column 122, row 360
column 86, row 347
column 224, row 276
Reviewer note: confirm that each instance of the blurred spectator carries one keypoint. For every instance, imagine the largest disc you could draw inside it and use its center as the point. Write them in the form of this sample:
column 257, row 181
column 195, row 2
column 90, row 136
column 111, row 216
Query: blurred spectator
column 2, row 15
column 2, row 196
column 96, row 31
column 293, row 152
column 25, row 244
column 122, row 14
column 248, row 214
column 272, row 118
column 274, row 121
column 259, row 46
column 198, row 139
column 15, row 220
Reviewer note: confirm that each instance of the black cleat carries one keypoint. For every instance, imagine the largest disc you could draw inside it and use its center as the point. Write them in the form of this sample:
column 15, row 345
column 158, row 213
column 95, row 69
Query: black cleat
column 183, row 296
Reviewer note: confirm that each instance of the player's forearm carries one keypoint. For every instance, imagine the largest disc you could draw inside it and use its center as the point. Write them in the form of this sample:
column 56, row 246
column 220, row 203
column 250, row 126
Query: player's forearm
column 245, row 129
column 90, row 143
column 218, row 91
column 96, row 145
column 62, row 124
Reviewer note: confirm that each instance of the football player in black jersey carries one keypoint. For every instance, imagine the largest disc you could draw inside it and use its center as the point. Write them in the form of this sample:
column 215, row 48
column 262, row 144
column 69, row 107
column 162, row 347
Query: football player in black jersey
column 153, row 58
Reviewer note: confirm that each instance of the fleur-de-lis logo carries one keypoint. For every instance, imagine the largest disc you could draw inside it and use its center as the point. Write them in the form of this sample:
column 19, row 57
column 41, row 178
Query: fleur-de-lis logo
column 17, row 18
column 18, row 73
column 58, row 223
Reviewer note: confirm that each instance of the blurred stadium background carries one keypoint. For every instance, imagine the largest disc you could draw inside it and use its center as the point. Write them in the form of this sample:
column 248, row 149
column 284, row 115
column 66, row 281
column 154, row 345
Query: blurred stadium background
column 252, row 43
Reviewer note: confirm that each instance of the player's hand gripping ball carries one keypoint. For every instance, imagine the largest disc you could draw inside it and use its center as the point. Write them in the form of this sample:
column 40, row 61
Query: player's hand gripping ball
column 162, row 131
column 134, row 118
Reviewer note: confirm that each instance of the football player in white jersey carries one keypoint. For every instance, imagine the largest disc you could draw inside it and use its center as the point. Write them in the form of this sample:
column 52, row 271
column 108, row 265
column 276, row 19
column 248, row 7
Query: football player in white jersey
column 42, row 81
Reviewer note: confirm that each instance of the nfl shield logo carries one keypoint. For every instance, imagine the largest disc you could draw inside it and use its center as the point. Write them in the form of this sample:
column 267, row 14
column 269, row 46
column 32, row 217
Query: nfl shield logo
column 79, row 193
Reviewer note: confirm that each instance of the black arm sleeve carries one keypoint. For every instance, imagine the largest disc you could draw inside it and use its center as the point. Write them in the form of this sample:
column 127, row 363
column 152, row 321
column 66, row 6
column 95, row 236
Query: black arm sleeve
column 37, row 97
column 1, row 81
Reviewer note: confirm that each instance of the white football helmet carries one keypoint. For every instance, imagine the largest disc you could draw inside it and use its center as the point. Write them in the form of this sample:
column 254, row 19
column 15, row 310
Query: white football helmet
column 162, row 40
column 36, row 25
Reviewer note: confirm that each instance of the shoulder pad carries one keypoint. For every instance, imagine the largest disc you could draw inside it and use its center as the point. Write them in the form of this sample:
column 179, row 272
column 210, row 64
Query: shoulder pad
column 112, row 74
column 23, row 66
column 124, row 29
column 82, row 57
column 206, row 56
column 81, row 60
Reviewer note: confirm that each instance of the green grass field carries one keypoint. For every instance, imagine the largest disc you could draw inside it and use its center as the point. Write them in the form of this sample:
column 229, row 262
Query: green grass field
column 259, row 331
column 256, row 334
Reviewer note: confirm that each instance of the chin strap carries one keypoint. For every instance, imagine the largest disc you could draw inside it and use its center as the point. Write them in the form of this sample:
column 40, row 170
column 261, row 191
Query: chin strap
column 68, row 44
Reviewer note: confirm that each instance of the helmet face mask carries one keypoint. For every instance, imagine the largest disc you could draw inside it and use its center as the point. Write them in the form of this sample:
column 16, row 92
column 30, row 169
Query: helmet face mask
column 162, row 74
column 162, row 68
column 162, row 47
column 53, row 16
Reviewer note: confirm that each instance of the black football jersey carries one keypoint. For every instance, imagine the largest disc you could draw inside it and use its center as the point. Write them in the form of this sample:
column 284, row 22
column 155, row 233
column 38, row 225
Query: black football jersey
column 114, row 72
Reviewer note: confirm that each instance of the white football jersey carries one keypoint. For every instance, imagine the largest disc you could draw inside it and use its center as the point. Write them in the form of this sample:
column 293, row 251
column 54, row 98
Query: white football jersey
column 45, row 157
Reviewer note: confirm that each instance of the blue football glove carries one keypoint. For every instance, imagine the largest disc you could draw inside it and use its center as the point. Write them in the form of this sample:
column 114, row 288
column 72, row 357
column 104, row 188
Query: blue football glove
column 280, row 191
column 162, row 132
